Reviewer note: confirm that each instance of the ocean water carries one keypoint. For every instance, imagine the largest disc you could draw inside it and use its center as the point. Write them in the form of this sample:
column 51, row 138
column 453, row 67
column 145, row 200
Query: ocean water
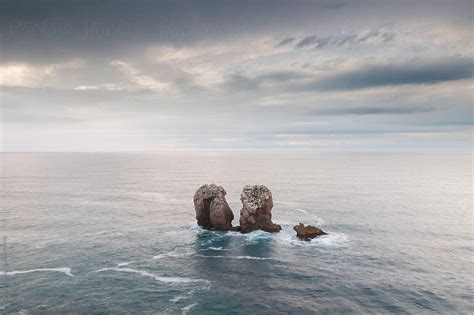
column 115, row 234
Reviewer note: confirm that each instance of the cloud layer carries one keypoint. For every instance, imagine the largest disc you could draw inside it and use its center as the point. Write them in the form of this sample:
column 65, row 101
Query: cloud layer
column 219, row 75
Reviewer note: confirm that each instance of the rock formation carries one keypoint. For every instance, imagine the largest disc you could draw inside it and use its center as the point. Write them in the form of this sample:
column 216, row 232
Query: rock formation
column 212, row 210
column 307, row 232
column 256, row 212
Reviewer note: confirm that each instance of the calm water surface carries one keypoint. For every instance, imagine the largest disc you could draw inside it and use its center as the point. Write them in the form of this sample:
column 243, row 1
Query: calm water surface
column 115, row 233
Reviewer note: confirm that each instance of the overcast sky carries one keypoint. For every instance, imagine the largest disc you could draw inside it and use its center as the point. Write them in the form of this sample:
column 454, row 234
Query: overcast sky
column 329, row 76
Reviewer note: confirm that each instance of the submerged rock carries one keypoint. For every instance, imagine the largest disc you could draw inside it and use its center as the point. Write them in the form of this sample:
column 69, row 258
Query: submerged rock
column 256, row 212
column 307, row 232
column 212, row 210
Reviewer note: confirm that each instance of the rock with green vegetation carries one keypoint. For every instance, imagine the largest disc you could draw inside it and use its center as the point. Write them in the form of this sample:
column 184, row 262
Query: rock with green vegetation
column 256, row 212
column 212, row 210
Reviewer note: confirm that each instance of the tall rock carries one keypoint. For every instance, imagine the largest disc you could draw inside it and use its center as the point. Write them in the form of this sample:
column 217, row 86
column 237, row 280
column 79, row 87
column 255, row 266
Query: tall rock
column 212, row 210
column 256, row 212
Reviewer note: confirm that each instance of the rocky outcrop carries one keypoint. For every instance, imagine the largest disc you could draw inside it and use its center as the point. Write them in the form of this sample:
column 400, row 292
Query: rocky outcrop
column 307, row 232
column 212, row 210
column 256, row 212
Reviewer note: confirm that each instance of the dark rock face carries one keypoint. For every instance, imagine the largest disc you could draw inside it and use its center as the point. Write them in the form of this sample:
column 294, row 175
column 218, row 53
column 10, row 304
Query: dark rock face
column 307, row 232
column 212, row 210
column 256, row 212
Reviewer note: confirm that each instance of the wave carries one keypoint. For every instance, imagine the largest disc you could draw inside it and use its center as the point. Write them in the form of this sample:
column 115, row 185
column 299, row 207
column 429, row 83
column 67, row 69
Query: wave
column 301, row 210
column 173, row 253
column 252, row 237
column 162, row 198
column 285, row 237
column 45, row 244
column 334, row 239
column 216, row 248
column 64, row 270
column 330, row 240
column 179, row 298
column 238, row 257
column 186, row 309
column 151, row 275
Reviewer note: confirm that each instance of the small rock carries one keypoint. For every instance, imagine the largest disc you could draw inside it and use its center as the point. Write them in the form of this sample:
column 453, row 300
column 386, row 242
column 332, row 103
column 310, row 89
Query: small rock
column 308, row 232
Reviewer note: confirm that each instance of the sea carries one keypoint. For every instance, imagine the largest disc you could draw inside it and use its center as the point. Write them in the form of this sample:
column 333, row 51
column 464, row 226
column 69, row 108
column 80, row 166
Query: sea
column 115, row 233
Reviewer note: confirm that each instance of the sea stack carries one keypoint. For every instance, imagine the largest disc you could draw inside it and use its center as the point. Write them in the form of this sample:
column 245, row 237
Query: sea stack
column 212, row 210
column 307, row 232
column 256, row 212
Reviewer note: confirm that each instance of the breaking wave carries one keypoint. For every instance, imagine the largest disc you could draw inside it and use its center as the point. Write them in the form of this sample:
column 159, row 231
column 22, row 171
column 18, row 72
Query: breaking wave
column 64, row 270
column 301, row 210
column 186, row 309
column 173, row 253
column 179, row 298
column 156, row 277
column 238, row 257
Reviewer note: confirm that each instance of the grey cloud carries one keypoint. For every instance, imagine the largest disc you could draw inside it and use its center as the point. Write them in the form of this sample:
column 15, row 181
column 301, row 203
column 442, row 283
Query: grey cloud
column 33, row 118
column 171, row 85
column 375, row 129
column 412, row 72
column 50, row 99
column 314, row 42
column 308, row 40
column 42, row 31
column 38, row 31
column 239, row 81
column 388, row 36
column 406, row 73
column 344, row 40
column 286, row 41
column 373, row 110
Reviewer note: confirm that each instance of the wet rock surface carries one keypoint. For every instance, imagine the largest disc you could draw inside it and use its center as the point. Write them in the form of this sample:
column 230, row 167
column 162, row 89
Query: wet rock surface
column 256, row 212
column 212, row 210
column 308, row 232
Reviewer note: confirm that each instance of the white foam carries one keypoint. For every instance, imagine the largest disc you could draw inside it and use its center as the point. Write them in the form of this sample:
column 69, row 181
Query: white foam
column 252, row 237
column 239, row 257
column 64, row 270
column 156, row 277
column 179, row 298
column 286, row 237
column 215, row 248
column 330, row 240
column 318, row 220
column 333, row 239
column 301, row 210
column 173, row 253
column 186, row 309
column 126, row 263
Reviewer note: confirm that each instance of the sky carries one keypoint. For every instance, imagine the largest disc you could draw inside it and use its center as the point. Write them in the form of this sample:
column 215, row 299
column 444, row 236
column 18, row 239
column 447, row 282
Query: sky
column 324, row 76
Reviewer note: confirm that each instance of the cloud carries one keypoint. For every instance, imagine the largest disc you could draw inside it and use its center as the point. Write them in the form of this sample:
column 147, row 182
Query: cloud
column 375, row 36
column 145, row 74
column 411, row 72
column 37, row 32
column 33, row 118
column 373, row 110
column 286, row 41
column 311, row 41
column 242, row 82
